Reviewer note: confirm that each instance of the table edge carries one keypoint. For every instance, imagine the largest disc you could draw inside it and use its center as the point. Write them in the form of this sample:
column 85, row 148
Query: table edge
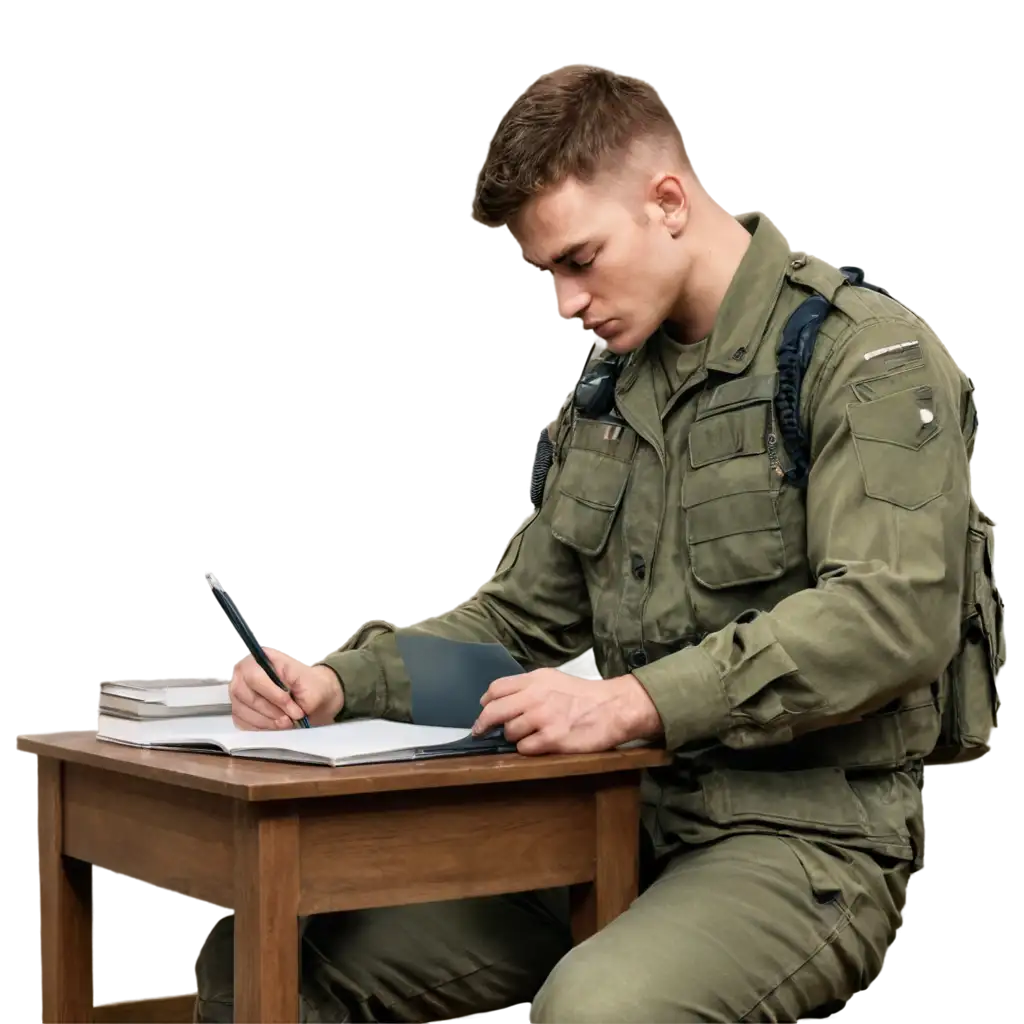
column 447, row 773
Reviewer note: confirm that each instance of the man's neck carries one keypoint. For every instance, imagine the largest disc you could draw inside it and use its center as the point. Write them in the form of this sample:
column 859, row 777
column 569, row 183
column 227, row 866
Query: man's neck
column 720, row 242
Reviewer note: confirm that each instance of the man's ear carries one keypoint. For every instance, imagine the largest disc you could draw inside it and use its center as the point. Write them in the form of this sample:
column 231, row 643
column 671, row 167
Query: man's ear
column 669, row 197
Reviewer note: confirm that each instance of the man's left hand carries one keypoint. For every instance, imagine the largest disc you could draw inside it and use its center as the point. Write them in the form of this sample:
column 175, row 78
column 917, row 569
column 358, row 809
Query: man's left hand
column 550, row 712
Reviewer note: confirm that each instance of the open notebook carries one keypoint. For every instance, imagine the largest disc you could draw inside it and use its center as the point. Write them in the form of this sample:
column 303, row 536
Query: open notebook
column 447, row 679
column 359, row 741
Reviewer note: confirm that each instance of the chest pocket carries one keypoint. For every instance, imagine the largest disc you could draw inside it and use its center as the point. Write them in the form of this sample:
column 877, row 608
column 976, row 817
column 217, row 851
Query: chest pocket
column 730, row 489
column 591, row 484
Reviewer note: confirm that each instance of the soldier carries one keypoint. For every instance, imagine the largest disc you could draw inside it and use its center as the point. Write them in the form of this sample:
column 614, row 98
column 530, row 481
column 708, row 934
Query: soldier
column 756, row 508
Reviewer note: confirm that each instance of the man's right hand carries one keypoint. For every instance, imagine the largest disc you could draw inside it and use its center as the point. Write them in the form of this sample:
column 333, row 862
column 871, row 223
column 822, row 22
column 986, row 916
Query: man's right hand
column 256, row 703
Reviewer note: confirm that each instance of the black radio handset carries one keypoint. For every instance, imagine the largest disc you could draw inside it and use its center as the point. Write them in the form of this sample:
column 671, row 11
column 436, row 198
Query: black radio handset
column 594, row 396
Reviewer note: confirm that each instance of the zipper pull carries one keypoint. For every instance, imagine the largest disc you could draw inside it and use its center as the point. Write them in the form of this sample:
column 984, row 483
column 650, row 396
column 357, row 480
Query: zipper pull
column 773, row 455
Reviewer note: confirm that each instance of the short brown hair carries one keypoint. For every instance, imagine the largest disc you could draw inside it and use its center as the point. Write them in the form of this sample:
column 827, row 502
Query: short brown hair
column 573, row 122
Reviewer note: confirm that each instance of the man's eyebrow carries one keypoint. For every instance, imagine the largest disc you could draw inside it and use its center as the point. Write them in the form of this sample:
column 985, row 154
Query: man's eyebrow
column 569, row 250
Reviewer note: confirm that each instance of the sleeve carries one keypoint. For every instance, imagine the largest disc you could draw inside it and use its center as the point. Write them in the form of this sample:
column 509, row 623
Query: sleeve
column 536, row 605
column 887, row 509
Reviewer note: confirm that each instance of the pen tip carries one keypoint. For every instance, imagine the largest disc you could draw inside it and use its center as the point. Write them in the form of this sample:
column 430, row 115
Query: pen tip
column 213, row 579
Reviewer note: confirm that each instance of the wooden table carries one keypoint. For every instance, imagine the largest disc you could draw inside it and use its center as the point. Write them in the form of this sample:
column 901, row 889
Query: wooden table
column 275, row 842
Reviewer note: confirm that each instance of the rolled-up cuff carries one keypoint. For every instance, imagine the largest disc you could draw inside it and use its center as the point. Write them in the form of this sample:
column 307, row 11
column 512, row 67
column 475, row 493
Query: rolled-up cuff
column 362, row 684
column 688, row 693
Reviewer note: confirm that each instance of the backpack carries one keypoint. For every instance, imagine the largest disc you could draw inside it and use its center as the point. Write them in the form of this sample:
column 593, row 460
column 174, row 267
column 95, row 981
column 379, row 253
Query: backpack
column 967, row 695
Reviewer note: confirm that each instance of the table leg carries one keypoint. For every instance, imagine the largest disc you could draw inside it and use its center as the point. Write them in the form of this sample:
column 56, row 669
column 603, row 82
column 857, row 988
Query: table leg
column 596, row 903
column 65, row 890
column 266, row 914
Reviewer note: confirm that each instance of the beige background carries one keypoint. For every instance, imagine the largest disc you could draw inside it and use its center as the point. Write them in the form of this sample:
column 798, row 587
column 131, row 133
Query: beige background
column 244, row 321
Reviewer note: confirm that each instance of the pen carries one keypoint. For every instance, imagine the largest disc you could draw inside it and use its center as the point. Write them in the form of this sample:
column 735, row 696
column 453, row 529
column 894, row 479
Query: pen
column 246, row 634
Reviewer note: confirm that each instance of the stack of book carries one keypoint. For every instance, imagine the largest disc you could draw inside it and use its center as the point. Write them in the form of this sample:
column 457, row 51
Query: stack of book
column 141, row 700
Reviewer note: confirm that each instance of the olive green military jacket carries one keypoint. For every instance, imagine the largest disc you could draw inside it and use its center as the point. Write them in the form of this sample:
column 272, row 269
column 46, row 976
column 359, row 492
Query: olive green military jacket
column 789, row 637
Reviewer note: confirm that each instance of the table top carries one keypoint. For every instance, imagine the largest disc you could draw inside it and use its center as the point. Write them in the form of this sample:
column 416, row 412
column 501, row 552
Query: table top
column 249, row 779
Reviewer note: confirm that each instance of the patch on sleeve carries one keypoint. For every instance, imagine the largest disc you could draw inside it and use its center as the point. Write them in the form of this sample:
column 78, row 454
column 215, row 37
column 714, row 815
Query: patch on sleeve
column 889, row 350
column 896, row 355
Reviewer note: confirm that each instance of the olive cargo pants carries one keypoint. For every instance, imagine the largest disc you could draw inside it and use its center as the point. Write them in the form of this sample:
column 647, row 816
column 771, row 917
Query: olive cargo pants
column 754, row 927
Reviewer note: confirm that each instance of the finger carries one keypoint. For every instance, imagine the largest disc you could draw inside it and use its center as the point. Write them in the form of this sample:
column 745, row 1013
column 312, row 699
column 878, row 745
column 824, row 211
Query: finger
column 546, row 741
column 259, row 682
column 294, row 712
column 505, row 686
column 498, row 712
column 263, row 725
column 241, row 713
column 587, row 739
column 241, row 692
column 287, row 700
column 242, row 696
column 537, row 743
column 521, row 726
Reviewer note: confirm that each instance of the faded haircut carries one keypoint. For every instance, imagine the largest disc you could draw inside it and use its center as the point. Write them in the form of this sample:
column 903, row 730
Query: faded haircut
column 576, row 122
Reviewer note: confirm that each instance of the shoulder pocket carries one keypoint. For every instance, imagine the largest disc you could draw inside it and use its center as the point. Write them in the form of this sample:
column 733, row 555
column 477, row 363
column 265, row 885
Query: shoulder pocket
column 968, row 689
column 591, row 484
column 895, row 437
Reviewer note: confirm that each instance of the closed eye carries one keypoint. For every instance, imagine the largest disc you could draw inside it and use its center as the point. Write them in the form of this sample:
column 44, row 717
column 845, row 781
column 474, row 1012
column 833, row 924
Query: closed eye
column 571, row 264
column 583, row 264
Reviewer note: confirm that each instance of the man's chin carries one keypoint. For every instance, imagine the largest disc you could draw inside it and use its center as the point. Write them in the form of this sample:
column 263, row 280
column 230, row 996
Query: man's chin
column 624, row 342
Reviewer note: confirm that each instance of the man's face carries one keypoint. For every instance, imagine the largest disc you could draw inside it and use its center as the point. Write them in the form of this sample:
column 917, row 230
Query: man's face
column 609, row 249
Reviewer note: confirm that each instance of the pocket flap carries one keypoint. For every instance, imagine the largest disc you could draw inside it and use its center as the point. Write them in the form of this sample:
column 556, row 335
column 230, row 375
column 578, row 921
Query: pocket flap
column 904, row 418
column 743, row 431
column 593, row 479
column 985, row 599
column 755, row 388
column 590, row 489
column 816, row 797
column 749, row 513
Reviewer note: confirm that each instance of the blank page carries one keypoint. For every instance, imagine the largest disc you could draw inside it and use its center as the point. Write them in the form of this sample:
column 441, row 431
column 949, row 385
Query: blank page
column 355, row 738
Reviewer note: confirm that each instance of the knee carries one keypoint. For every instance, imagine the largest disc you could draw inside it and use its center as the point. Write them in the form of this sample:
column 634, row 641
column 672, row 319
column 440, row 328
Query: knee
column 587, row 989
column 215, row 973
column 577, row 993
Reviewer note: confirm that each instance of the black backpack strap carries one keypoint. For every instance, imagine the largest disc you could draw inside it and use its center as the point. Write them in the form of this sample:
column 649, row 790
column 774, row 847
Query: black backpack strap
column 794, row 356
column 798, row 338
column 856, row 277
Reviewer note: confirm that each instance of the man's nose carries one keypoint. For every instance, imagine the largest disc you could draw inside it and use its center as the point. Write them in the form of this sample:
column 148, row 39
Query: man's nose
column 572, row 299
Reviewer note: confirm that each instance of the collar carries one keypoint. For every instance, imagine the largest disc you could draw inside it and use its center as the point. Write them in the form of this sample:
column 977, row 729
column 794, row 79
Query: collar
column 750, row 298
column 746, row 307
